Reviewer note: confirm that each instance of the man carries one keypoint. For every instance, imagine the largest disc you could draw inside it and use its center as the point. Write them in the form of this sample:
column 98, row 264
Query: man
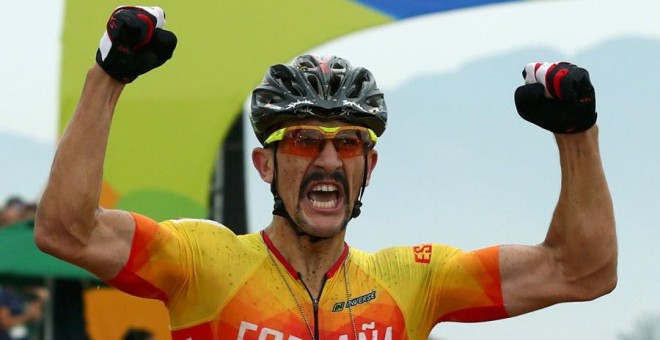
column 318, row 120
column 13, row 211
column 16, row 312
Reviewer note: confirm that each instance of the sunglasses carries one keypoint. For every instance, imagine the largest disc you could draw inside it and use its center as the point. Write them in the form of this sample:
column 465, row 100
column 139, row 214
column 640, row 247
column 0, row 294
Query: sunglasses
column 308, row 140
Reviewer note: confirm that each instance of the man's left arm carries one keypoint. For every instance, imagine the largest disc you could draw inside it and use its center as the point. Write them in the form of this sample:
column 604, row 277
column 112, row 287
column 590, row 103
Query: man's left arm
column 577, row 261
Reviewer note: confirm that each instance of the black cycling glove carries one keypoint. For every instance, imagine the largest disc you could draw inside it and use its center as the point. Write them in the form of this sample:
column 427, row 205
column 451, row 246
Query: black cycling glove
column 135, row 42
column 558, row 97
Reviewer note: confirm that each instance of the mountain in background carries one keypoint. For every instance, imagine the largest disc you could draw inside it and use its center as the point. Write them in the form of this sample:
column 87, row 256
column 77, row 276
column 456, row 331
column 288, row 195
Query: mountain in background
column 24, row 166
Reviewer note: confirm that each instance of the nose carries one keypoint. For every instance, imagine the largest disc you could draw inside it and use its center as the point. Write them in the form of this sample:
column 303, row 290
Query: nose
column 328, row 157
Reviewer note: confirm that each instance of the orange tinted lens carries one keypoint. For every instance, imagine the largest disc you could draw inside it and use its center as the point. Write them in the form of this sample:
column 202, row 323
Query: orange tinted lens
column 309, row 142
column 302, row 142
column 350, row 143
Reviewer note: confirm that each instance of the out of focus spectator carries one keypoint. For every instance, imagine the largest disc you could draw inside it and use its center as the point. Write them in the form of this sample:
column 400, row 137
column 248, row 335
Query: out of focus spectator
column 18, row 310
column 16, row 210
column 138, row 334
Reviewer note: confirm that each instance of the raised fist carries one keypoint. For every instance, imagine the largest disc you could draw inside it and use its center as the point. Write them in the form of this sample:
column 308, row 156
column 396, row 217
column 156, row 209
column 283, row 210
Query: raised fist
column 558, row 97
column 134, row 42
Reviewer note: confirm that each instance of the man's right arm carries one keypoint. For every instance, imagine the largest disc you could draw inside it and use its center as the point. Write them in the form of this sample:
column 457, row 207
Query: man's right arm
column 69, row 223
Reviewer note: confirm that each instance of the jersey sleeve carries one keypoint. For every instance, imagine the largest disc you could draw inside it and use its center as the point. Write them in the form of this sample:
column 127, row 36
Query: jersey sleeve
column 166, row 257
column 469, row 287
column 157, row 261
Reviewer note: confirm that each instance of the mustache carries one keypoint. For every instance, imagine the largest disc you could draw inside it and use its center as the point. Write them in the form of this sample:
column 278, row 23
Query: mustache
column 319, row 176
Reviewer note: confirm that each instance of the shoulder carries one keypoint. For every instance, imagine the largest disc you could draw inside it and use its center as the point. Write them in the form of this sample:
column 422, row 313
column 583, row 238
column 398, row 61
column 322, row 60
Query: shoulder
column 194, row 223
column 205, row 231
column 197, row 228
column 178, row 234
column 418, row 253
column 422, row 259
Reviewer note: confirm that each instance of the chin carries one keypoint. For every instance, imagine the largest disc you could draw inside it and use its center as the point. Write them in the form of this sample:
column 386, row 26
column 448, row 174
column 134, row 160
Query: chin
column 322, row 226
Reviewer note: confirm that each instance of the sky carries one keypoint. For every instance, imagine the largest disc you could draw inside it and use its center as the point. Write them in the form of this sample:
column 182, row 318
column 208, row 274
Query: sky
column 30, row 65
column 457, row 165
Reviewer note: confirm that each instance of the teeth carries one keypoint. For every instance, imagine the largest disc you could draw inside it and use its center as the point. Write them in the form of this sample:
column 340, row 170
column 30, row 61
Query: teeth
column 324, row 205
column 325, row 187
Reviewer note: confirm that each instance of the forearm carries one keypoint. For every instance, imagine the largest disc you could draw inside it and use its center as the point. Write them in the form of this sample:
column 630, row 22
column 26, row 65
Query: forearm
column 582, row 232
column 69, row 203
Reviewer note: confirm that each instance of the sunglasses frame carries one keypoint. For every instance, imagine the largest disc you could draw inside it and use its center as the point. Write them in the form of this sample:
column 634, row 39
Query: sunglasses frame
column 329, row 133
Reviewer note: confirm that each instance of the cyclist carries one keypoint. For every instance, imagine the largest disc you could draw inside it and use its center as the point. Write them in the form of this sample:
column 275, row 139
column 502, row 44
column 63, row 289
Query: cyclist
column 318, row 120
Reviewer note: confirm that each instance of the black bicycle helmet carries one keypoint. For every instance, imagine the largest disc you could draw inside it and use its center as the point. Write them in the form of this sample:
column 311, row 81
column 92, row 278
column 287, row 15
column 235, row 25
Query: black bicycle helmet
column 315, row 87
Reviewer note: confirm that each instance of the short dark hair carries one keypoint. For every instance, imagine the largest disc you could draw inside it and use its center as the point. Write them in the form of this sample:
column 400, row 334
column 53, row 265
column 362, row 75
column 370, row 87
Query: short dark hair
column 14, row 200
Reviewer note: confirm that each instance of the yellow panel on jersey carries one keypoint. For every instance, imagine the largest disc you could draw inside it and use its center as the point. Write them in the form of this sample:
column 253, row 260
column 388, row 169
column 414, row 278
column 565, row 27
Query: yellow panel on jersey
column 217, row 285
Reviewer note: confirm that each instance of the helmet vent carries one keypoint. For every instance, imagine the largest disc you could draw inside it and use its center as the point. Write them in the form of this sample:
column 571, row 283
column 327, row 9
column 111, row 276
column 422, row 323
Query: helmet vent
column 376, row 102
column 305, row 65
column 289, row 86
column 361, row 79
column 315, row 83
column 265, row 97
column 338, row 66
column 335, row 84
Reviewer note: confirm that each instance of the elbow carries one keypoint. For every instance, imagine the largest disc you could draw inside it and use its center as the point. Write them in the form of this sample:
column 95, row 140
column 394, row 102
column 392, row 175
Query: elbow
column 611, row 285
column 60, row 236
column 603, row 288
column 44, row 244
column 49, row 239
column 594, row 292
column 598, row 284
column 611, row 280
column 608, row 276
column 51, row 235
column 45, row 235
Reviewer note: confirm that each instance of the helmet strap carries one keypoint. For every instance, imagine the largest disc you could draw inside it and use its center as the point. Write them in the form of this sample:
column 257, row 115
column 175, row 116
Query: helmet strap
column 358, row 203
column 278, row 207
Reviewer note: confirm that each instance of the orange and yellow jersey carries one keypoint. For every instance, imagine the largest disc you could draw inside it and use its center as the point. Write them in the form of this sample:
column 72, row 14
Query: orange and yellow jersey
column 217, row 285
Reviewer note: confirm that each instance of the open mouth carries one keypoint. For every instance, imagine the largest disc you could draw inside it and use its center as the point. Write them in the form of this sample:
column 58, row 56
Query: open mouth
column 324, row 196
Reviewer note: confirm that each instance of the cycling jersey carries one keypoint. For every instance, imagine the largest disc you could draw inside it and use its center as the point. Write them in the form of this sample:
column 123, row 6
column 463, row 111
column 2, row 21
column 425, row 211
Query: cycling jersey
column 217, row 285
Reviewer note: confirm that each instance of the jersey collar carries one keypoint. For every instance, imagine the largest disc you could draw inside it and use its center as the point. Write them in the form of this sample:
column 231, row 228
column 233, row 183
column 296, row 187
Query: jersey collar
column 331, row 272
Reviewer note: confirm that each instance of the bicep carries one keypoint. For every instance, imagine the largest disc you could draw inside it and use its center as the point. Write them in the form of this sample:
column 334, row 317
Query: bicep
column 109, row 244
column 531, row 278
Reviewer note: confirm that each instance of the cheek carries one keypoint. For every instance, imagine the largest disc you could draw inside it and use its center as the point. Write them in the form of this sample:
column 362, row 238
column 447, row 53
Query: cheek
column 356, row 167
column 290, row 174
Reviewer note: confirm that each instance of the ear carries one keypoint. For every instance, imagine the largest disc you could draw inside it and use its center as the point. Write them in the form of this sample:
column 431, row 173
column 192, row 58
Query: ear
column 372, row 159
column 262, row 159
